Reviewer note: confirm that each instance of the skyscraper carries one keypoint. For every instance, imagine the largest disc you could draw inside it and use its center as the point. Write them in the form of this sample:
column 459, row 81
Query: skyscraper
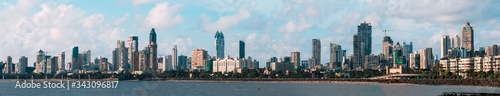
column 445, row 45
column 86, row 57
column 316, row 51
column 295, row 60
column 415, row 60
column 198, row 57
column 387, row 46
column 74, row 59
column 362, row 44
column 455, row 42
column 40, row 56
column 144, row 63
column 182, row 62
column 336, row 56
column 51, row 67
column 492, row 50
column 426, row 58
column 407, row 49
column 365, row 32
column 398, row 56
column 153, row 58
column 175, row 65
column 61, row 62
column 219, row 44
column 114, row 60
column 133, row 52
column 120, row 57
column 468, row 39
column 23, row 63
column 242, row 49
column 8, row 66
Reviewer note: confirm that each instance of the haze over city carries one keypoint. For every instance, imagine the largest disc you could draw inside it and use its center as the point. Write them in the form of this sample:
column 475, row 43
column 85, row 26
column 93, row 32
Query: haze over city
column 269, row 28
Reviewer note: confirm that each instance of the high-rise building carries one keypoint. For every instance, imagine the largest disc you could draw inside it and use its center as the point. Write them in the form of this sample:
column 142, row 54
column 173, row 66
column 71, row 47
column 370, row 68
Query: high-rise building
column 40, row 56
column 296, row 60
column 242, row 49
column 167, row 61
column 87, row 58
column 21, row 67
column 398, row 57
column 365, row 32
column 336, row 56
column 153, row 51
column 198, row 59
column 362, row 44
column 75, row 59
column 455, row 42
column 182, row 62
column 219, row 44
column 492, row 50
column 51, row 67
column 133, row 43
column 316, row 52
column 387, row 46
column 415, row 60
column 144, row 63
column 468, row 38
column 114, row 60
column 407, row 49
column 120, row 57
column 372, row 61
column 133, row 52
column 104, row 65
column 8, row 69
column 174, row 58
column 426, row 58
column 445, row 45
column 61, row 65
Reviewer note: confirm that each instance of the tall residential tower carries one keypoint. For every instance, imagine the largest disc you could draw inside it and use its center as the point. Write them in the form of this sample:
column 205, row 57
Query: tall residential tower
column 219, row 44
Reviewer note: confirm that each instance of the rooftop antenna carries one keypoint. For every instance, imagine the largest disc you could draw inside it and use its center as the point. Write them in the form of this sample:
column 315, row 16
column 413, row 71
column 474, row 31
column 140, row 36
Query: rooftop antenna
column 385, row 31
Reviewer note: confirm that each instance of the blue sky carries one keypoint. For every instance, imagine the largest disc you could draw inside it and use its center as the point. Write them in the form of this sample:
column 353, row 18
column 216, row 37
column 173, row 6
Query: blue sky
column 269, row 27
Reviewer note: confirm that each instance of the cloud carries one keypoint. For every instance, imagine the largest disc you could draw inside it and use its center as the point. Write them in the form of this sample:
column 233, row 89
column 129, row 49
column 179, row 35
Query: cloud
column 140, row 2
column 184, row 46
column 55, row 28
column 93, row 20
column 163, row 16
column 226, row 22
column 292, row 27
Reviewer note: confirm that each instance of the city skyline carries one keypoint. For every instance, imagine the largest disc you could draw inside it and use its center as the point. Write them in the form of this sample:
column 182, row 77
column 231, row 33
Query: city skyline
column 258, row 24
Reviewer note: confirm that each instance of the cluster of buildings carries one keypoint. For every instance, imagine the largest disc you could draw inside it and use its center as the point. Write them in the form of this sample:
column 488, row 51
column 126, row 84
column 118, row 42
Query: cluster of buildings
column 221, row 63
column 394, row 57
column 11, row 68
column 459, row 57
column 127, row 57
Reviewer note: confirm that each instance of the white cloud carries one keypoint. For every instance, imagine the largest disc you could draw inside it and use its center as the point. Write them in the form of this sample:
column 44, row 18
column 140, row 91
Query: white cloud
column 163, row 16
column 140, row 2
column 93, row 20
column 55, row 28
column 184, row 46
column 226, row 22
column 292, row 27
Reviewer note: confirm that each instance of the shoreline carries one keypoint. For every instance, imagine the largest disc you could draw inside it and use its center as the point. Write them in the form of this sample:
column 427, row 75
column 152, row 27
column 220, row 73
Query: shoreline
column 425, row 82
column 329, row 82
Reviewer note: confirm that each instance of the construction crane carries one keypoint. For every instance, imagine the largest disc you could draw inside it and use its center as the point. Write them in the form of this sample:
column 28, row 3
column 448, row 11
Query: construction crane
column 385, row 31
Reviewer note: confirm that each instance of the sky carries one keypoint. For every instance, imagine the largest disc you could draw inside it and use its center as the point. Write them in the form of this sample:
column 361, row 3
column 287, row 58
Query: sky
column 270, row 28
